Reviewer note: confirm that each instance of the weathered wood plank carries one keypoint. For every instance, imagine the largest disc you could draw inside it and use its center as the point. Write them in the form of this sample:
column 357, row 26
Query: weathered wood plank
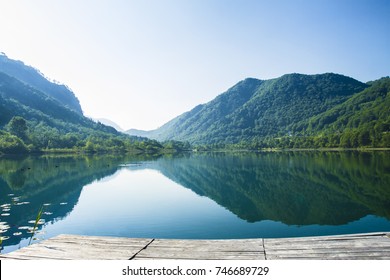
column 97, row 239
column 368, row 236
column 199, row 255
column 358, row 246
column 232, row 245
column 361, row 246
column 329, row 256
column 219, row 242
column 70, row 247
column 338, row 244
column 245, row 249
column 383, row 251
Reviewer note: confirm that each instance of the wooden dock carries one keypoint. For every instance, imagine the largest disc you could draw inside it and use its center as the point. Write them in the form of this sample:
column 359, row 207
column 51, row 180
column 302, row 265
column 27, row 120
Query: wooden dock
column 370, row 246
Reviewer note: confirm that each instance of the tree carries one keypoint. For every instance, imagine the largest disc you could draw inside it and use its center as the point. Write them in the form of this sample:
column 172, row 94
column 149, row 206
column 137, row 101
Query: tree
column 11, row 144
column 89, row 147
column 18, row 127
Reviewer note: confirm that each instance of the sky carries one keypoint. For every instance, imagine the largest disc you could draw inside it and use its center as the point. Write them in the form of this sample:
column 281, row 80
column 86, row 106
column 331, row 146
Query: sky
column 142, row 63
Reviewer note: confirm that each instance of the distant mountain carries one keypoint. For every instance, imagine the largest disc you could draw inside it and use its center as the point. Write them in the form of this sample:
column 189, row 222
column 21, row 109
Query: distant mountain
column 138, row 132
column 37, row 80
column 109, row 123
column 254, row 110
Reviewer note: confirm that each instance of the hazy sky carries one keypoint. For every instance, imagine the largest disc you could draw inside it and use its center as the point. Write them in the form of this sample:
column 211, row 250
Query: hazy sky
column 141, row 63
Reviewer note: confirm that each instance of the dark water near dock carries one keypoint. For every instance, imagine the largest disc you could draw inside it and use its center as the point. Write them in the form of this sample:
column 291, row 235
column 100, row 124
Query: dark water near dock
column 202, row 196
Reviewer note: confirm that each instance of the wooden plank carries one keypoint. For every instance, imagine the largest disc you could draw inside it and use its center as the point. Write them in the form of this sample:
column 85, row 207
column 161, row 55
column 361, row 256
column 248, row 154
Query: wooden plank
column 368, row 236
column 70, row 247
column 330, row 256
column 359, row 246
column 384, row 251
column 199, row 255
column 98, row 239
column 330, row 245
column 244, row 249
column 362, row 246
column 224, row 244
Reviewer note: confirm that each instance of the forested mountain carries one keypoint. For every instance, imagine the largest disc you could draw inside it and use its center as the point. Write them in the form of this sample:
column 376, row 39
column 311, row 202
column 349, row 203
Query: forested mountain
column 362, row 120
column 35, row 78
column 292, row 111
column 202, row 116
column 289, row 111
column 20, row 99
column 33, row 120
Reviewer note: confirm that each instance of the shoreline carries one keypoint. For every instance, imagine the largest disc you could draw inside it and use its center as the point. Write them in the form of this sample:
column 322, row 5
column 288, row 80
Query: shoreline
column 195, row 150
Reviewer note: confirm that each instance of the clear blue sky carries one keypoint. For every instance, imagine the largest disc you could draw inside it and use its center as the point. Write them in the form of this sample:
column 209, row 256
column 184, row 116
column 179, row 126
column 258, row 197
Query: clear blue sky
column 141, row 63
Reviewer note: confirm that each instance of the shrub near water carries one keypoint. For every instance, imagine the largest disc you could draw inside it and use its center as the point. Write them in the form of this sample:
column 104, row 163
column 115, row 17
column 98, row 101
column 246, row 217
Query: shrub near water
column 11, row 144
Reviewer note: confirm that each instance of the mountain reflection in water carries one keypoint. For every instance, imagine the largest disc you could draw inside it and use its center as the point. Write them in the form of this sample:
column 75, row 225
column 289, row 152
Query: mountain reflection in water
column 301, row 189
column 296, row 188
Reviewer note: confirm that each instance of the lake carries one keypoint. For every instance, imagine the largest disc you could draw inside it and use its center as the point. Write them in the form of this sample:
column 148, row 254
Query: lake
column 195, row 195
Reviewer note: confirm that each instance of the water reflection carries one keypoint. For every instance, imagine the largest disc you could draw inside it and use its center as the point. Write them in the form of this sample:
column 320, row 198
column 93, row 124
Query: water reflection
column 265, row 191
column 296, row 188
column 54, row 182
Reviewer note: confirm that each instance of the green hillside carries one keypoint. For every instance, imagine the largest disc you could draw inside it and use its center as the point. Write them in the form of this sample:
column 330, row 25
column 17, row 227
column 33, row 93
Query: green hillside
column 280, row 107
column 362, row 120
column 34, row 121
column 196, row 122
column 20, row 99
column 35, row 79
column 293, row 111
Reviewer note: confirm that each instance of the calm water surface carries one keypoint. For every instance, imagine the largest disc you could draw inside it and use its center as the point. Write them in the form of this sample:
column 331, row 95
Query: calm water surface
column 202, row 196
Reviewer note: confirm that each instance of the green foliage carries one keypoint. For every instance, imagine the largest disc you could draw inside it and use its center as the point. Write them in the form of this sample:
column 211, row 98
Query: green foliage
column 257, row 113
column 37, row 220
column 18, row 127
column 36, row 79
column 176, row 146
column 293, row 111
column 37, row 122
column 361, row 121
column 11, row 144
